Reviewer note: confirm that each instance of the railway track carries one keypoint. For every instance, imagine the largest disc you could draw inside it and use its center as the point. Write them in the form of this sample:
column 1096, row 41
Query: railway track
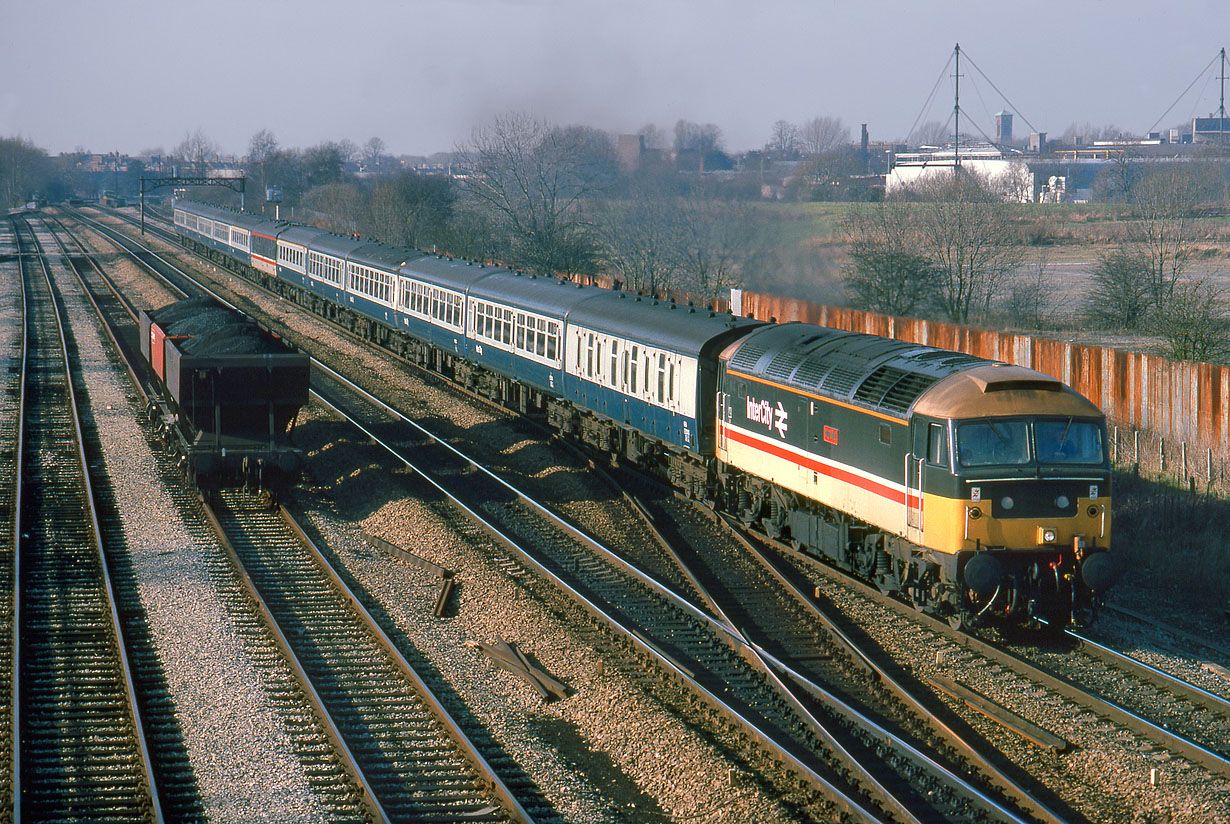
column 80, row 741
column 12, row 350
column 993, row 669
column 409, row 756
column 396, row 741
column 709, row 656
column 841, row 676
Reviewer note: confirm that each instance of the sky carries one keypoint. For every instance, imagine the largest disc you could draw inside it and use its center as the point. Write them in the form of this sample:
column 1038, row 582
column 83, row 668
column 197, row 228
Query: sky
column 139, row 75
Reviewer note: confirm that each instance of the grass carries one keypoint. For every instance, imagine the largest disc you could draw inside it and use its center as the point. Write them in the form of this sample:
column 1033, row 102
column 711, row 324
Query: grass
column 1172, row 542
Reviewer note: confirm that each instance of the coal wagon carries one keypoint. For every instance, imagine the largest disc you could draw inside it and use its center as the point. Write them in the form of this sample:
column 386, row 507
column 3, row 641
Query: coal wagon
column 228, row 395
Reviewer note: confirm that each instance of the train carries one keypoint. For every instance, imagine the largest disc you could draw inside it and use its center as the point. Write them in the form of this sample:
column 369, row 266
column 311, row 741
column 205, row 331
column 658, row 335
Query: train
column 228, row 394
column 976, row 490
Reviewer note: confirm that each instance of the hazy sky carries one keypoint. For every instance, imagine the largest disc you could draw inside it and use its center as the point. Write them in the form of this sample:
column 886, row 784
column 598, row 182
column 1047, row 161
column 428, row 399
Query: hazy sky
column 132, row 75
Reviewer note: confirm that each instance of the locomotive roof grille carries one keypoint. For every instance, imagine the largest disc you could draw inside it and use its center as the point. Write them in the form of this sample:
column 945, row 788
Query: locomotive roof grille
column 782, row 365
column 841, row 380
column 810, row 373
column 747, row 357
column 1024, row 384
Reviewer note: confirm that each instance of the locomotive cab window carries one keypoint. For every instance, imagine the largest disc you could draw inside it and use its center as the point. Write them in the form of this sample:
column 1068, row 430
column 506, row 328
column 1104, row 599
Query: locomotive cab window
column 937, row 444
column 1068, row 441
column 990, row 442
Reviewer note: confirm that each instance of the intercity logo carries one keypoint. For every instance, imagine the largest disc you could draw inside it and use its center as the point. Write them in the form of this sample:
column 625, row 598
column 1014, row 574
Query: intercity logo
column 762, row 412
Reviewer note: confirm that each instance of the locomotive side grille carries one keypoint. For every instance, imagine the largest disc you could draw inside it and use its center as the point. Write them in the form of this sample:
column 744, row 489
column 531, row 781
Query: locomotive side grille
column 877, row 384
column 905, row 391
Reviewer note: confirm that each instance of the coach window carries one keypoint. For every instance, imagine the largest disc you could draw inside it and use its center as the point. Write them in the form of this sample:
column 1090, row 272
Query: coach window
column 632, row 369
column 937, row 444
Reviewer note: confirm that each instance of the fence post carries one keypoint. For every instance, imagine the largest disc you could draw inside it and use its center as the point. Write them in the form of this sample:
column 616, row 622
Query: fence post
column 1114, row 450
column 1136, row 446
column 1163, row 442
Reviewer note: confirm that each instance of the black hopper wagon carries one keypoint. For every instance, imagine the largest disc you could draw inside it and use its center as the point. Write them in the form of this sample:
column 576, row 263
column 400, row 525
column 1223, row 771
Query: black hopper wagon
column 228, row 394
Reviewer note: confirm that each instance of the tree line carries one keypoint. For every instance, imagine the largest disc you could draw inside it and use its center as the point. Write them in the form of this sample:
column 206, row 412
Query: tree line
column 535, row 196
column 951, row 248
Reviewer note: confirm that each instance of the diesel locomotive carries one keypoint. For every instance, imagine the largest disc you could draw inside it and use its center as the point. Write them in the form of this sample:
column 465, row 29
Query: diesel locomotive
column 974, row 489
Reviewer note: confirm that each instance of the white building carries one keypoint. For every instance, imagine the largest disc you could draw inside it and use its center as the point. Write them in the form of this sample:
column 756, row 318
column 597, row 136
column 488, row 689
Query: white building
column 1006, row 173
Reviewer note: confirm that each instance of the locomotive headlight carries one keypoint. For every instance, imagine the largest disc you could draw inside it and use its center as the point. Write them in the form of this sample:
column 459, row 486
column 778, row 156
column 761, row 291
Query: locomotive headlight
column 974, row 513
column 1093, row 512
column 1046, row 535
column 1061, row 502
column 1007, row 503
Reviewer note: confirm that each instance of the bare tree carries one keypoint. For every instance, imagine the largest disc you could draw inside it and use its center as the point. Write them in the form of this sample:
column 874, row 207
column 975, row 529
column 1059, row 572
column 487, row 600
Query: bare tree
column 639, row 235
column 1119, row 298
column 323, row 164
column 373, row 152
column 24, row 171
column 261, row 149
column 695, row 137
column 532, row 177
column 1087, row 132
column 262, row 146
column 719, row 238
column 886, row 273
column 931, row 133
column 1033, row 300
column 410, row 209
column 1165, row 203
column 195, row 151
column 347, row 150
column 342, row 204
column 655, row 138
column 963, row 228
column 784, row 141
column 1117, row 182
column 822, row 134
column 1193, row 323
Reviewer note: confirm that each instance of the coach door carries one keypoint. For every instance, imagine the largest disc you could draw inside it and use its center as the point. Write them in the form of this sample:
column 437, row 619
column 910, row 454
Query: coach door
column 915, row 468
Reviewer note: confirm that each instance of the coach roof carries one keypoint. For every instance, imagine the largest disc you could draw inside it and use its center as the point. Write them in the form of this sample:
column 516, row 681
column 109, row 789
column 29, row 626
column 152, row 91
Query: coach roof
column 672, row 326
column 537, row 293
